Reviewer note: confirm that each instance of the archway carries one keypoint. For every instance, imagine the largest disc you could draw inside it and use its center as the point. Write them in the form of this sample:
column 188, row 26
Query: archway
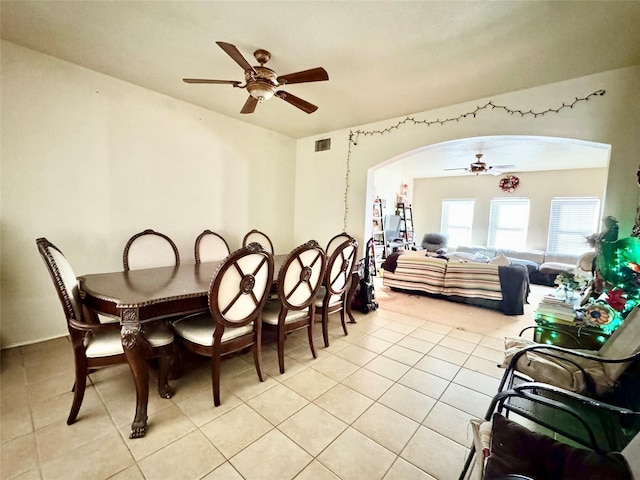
column 562, row 166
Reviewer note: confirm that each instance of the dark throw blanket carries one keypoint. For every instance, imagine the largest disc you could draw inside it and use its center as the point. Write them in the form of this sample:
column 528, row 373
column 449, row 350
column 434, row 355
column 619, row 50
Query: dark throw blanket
column 514, row 283
column 391, row 262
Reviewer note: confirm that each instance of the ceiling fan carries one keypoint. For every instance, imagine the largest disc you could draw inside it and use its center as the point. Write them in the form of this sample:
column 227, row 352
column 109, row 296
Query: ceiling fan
column 262, row 82
column 479, row 167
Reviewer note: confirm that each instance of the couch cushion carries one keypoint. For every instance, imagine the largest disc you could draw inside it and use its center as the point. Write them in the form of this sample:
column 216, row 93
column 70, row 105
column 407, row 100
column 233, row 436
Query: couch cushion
column 486, row 251
column 469, row 257
column 536, row 256
column 500, row 260
column 528, row 264
column 555, row 267
column 570, row 258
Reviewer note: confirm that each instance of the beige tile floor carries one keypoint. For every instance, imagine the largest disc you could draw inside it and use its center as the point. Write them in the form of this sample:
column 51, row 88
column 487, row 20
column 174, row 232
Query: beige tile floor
column 392, row 400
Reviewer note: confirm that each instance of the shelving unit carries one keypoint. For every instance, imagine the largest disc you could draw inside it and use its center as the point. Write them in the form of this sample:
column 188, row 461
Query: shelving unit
column 406, row 223
column 377, row 232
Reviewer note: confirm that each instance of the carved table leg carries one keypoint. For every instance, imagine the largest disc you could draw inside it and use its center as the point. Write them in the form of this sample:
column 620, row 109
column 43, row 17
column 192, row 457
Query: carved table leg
column 167, row 366
column 355, row 281
column 135, row 349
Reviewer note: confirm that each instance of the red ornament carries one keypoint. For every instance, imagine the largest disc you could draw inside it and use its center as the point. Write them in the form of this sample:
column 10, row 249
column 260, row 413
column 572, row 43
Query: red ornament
column 616, row 300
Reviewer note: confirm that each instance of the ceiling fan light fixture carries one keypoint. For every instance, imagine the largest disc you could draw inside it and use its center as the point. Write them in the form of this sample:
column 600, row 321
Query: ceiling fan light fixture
column 261, row 91
column 261, row 81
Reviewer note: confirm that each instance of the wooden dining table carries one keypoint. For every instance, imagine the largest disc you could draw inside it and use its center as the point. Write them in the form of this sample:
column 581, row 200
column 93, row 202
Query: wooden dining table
column 140, row 296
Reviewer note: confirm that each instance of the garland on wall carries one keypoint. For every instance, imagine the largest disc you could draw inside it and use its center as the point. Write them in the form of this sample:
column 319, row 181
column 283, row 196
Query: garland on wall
column 354, row 135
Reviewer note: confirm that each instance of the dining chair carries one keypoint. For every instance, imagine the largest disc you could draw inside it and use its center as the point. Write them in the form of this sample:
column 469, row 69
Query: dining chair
column 96, row 345
column 149, row 249
column 259, row 237
column 333, row 294
column 336, row 241
column 210, row 247
column 299, row 280
column 237, row 294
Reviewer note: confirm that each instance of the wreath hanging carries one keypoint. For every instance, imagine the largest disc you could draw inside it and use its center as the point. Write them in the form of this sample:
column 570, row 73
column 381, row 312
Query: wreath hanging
column 509, row 183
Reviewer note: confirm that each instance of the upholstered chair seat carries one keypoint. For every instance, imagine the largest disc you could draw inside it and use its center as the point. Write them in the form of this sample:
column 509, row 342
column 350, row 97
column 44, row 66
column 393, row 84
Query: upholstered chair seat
column 271, row 311
column 293, row 307
column 334, row 300
column 237, row 293
column 95, row 344
column 109, row 342
column 199, row 329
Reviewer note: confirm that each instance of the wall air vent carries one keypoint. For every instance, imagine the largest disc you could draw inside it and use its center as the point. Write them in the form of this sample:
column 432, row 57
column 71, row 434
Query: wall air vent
column 323, row 145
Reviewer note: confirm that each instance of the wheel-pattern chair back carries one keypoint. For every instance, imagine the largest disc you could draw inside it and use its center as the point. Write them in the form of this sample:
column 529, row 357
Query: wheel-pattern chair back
column 149, row 249
column 623, row 343
column 332, row 297
column 258, row 237
column 210, row 247
column 299, row 280
column 301, row 276
column 240, row 287
column 340, row 267
column 335, row 242
column 237, row 294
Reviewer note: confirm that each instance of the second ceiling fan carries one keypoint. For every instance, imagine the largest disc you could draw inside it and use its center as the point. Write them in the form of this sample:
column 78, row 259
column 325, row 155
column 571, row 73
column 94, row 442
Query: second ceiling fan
column 262, row 83
column 479, row 167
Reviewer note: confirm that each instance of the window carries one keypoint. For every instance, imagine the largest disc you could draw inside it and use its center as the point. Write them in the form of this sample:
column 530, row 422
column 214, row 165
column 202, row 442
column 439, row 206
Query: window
column 456, row 222
column 508, row 222
column 571, row 219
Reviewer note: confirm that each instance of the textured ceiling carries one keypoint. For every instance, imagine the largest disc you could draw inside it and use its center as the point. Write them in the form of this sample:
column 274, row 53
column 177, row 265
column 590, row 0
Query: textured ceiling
column 525, row 153
column 385, row 59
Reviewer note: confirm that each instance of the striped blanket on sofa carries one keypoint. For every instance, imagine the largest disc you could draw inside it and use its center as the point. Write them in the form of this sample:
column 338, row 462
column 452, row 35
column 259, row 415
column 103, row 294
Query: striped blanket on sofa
column 504, row 288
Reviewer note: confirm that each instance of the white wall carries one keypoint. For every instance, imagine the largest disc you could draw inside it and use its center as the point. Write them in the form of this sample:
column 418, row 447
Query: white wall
column 88, row 160
column 612, row 119
column 539, row 187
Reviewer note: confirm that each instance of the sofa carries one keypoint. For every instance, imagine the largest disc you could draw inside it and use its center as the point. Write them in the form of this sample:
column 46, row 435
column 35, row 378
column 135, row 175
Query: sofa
column 500, row 287
column 543, row 267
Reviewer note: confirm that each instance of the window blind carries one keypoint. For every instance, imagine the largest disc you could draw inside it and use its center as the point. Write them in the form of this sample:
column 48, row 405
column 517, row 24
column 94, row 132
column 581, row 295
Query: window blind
column 457, row 220
column 508, row 223
column 571, row 219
